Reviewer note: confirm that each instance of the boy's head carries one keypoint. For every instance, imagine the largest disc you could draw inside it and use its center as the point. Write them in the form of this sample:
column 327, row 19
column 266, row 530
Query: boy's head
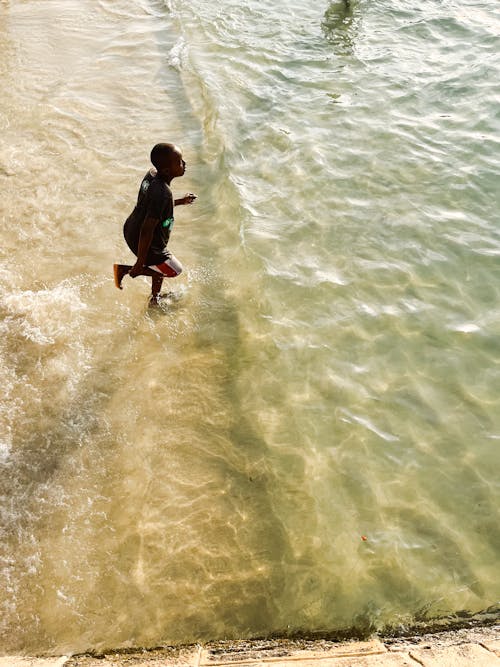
column 167, row 158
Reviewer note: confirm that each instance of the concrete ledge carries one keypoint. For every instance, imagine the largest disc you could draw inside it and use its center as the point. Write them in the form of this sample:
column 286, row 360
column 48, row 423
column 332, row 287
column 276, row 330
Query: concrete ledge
column 238, row 653
column 14, row 661
column 475, row 647
column 465, row 654
column 492, row 645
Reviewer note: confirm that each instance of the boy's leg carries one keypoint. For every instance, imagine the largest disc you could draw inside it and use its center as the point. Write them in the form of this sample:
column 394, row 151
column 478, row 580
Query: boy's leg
column 156, row 283
column 170, row 268
column 121, row 270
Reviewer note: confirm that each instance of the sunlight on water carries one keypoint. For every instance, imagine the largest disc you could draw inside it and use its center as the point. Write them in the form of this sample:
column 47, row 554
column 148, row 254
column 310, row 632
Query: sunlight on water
column 325, row 369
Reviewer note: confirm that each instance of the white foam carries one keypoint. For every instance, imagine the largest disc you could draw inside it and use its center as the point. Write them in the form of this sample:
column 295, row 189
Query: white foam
column 46, row 315
column 466, row 327
column 5, row 447
column 177, row 55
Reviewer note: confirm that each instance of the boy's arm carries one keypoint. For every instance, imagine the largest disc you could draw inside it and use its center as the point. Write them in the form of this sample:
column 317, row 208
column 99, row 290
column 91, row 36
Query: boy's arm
column 145, row 238
column 187, row 199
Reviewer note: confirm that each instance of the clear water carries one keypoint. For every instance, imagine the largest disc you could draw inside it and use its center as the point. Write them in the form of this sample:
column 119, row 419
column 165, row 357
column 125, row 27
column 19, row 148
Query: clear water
column 326, row 368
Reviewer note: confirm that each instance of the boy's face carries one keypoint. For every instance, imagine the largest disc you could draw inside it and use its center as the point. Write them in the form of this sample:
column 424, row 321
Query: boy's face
column 174, row 164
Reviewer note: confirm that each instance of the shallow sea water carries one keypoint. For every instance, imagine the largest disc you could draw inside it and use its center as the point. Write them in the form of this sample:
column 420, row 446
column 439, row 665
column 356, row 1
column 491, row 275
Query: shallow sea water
column 326, row 369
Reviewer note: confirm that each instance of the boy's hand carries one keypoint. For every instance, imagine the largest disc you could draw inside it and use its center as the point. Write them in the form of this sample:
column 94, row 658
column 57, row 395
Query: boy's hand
column 187, row 199
column 136, row 270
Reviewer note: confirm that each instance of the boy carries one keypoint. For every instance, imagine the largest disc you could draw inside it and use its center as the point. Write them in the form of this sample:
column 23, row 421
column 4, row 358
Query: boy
column 148, row 227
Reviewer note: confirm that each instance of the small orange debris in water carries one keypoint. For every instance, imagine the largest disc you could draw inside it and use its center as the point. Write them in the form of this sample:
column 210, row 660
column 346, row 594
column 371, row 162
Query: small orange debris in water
column 364, row 538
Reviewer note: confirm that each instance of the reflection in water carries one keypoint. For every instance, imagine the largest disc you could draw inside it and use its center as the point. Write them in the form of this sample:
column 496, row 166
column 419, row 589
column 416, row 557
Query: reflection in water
column 339, row 25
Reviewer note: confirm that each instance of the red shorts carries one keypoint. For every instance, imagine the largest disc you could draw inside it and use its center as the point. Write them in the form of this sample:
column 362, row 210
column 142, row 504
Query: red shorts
column 170, row 268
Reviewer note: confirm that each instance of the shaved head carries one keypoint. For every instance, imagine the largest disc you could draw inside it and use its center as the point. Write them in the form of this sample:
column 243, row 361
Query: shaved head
column 162, row 154
column 167, row 158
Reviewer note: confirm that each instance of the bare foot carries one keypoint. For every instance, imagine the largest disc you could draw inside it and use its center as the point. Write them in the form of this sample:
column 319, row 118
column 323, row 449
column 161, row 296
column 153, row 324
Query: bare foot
column 119, row 271
column 154, row 301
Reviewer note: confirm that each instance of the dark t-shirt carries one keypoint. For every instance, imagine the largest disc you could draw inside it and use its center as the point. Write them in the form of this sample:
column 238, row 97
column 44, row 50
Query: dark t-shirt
column 155, row 200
